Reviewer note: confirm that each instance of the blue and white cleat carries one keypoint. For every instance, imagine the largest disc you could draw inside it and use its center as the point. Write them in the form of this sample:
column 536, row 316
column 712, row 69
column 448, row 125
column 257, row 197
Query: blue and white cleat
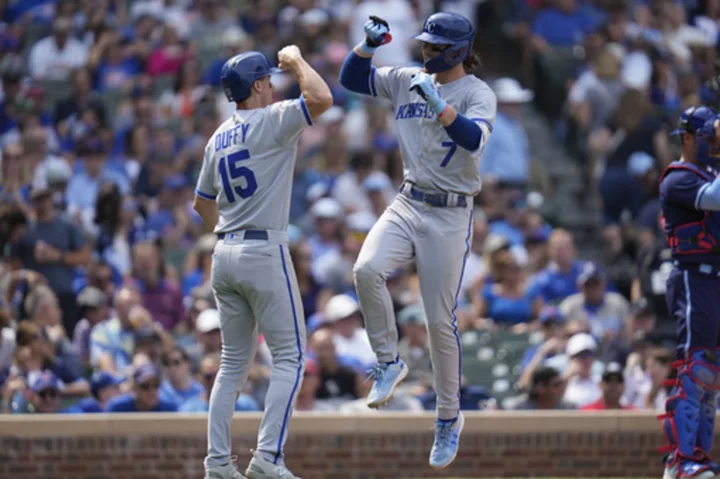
column 447, row 440
column 387, row 378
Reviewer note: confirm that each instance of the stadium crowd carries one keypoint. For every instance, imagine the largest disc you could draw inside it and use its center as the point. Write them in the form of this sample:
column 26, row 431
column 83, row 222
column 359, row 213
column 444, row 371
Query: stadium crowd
column 105, row 110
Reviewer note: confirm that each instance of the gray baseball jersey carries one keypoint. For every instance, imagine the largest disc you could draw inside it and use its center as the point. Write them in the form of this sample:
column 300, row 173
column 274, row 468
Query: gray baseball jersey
column 248, row 166
column 432, row 160
column 437, row 238
column 248, row 170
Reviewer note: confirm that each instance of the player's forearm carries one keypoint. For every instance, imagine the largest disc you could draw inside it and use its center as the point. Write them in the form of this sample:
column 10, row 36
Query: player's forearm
column 356, row 70
column 208, row 212
column 463, row 131
column 313, row 88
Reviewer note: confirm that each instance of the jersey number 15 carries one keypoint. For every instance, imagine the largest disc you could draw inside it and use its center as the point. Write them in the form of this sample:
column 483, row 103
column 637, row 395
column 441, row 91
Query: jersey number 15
column 230, row 172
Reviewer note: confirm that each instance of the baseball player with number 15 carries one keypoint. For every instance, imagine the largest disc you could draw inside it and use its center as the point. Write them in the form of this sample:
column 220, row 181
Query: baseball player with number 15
column 243, row 195
column 443, row 117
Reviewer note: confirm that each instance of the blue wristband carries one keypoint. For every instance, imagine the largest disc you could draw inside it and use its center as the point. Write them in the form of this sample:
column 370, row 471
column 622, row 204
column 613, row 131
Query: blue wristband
column 367, row 49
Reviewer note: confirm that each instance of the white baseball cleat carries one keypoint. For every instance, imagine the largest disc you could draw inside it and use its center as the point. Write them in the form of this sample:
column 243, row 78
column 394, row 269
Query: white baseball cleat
column 260, row 468
column 228, row 471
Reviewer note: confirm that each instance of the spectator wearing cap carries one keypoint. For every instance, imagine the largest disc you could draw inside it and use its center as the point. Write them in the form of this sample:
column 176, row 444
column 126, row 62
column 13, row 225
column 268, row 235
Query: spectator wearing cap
column 507, row 153
column 342, row 314
column 93, row 305
column 312, row 291
column 583, row 384
column 82, row 191
column 328, row 215
column 560, row 278
column 338, row 382
column 552, row 327
column 546, row 391
column 508, row 302
column 414, row 349
column 104, row 387
column 55, row 56
column 145, row 395
column 178, row 386
column 112, row 342
column 605, row 311
column 45, row 398
column 208, row 371
column 335, row 267
column 612, row 385
column 161, row 294
column 53, row 247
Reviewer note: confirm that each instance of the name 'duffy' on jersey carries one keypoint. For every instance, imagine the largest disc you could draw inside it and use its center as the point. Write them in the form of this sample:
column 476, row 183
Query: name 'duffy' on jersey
column 227, row 138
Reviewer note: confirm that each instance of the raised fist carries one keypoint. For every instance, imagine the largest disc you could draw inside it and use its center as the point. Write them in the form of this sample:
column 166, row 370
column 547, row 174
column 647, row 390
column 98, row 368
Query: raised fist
column 377, row 32
column 288, row 56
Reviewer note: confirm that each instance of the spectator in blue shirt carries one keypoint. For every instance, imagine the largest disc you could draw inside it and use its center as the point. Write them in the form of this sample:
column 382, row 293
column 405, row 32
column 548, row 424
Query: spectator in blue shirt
column 560, row 279
column 563, row 25
column 209, row 368
column 104, row 387
column 145, row 396
column 178, row 385
column 507, row 154
column 83, row 189
column 112, row 342
column 115, row 69
column 509, row 302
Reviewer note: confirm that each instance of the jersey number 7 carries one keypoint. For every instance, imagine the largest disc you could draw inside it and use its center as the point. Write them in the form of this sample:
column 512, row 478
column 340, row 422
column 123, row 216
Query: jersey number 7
column 453, row 147
column 230, row 172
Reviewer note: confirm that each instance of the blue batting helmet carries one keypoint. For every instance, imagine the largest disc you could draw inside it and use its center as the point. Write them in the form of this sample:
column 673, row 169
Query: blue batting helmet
column 447, row 29
column 241, row 71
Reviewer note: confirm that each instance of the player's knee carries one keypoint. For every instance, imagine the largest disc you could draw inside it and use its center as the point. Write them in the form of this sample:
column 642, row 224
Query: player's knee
column 704, row 370
column 365, row 274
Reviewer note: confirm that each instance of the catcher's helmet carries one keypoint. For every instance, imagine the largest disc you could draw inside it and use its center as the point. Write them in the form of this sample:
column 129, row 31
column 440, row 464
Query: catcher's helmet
column 241, row 71
column 447, row 29
column 699, row 122
column 693, row 119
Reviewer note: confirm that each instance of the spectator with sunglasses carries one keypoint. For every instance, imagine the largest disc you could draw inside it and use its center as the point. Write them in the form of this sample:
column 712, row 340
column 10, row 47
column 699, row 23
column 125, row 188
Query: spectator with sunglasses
column 209, row 368
column 546, row 391
column 45, row 397
column 145, row 395
column 178, row 385
column 612, row 386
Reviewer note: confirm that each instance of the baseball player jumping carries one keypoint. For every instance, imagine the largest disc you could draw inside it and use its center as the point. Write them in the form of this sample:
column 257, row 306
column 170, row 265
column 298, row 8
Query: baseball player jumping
column 690, row 199
column 444, row 117
column 243, row 195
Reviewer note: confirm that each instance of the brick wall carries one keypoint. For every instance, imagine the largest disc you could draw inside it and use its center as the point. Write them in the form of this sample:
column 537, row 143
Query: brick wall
column 321, row 447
